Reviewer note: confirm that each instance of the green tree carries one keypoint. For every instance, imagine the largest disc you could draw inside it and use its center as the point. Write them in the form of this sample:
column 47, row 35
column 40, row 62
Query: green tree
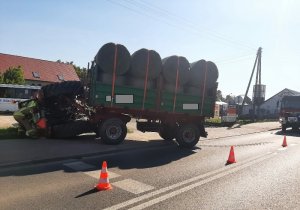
column 13, row 75
column 219, row 96
column 229, row 99
column 81, row 72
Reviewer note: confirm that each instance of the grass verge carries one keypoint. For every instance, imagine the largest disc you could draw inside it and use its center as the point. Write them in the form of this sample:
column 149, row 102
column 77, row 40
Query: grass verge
column 9, row 133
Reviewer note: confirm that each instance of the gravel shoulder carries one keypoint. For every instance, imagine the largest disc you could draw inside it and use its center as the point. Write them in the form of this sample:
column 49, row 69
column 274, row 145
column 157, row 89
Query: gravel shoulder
column 7, row 121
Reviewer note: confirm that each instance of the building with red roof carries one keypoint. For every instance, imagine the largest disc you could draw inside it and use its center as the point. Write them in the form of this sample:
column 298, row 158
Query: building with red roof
column 37, row 71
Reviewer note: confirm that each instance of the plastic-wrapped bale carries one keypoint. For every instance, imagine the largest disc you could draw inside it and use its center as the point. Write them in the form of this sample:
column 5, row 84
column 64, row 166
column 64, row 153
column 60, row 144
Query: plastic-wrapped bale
column 198, row 74
column 106, row 78
column 105, row 58
column 139, row 63
column 140, row 83
column 194, row 91
column 171, row 88
column 170, row 66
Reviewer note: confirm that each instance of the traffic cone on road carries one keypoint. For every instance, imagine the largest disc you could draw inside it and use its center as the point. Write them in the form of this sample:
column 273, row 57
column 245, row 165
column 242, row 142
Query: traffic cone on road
column 103, row 180
column 231, row 158
column 284, row 144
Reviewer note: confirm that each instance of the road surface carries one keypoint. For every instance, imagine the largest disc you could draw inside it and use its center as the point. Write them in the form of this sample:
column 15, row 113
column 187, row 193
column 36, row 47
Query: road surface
column 266, row 176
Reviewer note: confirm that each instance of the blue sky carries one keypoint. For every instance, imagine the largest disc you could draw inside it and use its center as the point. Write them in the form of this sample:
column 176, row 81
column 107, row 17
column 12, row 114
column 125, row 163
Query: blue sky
column 225, row 32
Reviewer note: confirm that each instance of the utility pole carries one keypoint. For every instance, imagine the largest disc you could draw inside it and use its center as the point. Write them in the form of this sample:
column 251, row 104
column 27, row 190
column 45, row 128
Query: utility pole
column 258, row 89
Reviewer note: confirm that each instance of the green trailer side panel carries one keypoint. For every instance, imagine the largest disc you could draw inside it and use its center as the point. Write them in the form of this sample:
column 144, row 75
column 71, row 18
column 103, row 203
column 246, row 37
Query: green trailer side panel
column 187, row 104
column 102, row 96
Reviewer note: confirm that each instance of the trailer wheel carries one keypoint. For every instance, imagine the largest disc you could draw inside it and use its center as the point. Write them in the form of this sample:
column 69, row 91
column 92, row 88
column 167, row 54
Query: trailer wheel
column 113, row 131
column 188, row 135
column 166, row 132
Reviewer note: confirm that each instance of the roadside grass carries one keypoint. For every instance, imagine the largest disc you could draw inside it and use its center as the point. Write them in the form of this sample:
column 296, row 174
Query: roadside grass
column 9, row 133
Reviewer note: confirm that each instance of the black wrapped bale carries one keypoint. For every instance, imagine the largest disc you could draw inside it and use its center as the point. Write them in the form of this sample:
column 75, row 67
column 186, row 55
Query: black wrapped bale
column 198, row 74
column 105, row 58
column 139, row 62
column 140, row 83
column 170, row 70
column 171, row 88
column 107, row 79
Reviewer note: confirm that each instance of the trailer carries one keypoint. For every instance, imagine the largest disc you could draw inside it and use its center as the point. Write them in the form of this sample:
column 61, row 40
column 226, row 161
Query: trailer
column 103, row 103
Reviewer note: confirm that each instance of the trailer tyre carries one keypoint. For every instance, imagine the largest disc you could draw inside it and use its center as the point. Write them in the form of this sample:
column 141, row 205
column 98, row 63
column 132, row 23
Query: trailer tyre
column 188, row 135
column 113, row 131
column 166, row 132
column 68, row 88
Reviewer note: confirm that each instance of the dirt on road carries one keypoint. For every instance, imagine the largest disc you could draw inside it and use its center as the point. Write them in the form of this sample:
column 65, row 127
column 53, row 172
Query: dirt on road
column 7, row 121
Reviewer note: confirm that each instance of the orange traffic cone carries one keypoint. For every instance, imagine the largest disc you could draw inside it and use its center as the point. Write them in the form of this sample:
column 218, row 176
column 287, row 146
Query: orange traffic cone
column 284, row 144
column 231, row 158
column 103, row 181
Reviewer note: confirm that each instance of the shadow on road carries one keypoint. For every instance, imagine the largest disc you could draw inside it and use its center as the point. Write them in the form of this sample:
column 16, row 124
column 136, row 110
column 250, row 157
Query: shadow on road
column 144, row 154
column 289, row 133
column 89, row 192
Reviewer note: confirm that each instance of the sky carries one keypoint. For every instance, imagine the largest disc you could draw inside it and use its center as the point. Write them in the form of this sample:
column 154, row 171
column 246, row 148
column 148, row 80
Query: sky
column 227, row 32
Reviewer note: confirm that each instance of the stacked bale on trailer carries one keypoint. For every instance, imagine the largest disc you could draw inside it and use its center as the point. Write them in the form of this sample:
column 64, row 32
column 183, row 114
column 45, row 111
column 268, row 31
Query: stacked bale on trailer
column 146, row 66
column 175, row 73
column 124, row 80
column 203, row 83
column 144, row 81
column 112, row 60
column 204, row 75
column 175, row 76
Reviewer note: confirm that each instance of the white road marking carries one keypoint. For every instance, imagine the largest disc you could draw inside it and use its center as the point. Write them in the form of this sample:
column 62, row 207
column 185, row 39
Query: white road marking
column 79, row 166
column 96, row 174
column 293, row 145
column 132, row 186
column 282, row 149
column 193, row 179
column 197, row 184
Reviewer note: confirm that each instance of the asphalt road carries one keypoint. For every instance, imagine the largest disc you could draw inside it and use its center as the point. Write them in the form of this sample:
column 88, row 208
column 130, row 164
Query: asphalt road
column 266, row 176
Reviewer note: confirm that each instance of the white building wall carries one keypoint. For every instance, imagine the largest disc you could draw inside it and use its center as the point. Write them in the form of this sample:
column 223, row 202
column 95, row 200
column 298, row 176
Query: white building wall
column 271, row 107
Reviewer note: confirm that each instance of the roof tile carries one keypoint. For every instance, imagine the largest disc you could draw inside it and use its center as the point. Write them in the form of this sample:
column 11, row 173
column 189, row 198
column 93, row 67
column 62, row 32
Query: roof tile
column 47, row 70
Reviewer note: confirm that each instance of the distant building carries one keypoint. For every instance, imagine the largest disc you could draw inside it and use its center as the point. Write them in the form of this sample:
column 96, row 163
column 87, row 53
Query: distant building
column 271, row 107
column 37, row 71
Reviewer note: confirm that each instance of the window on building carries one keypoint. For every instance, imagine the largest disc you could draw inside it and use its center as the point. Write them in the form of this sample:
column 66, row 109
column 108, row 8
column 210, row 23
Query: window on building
column 61, row 77
column 36, row 74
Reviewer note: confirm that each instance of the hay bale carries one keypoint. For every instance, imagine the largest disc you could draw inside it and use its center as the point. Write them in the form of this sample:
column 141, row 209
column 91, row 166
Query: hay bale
column 105, row 58
column 170, row 65
column 139, row 61
column 198, row 74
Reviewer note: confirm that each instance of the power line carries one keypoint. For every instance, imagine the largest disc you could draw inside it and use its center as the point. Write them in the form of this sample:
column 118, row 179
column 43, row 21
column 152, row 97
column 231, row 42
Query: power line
column 215, row 33
column 249, row 57
column 230, row 58
column 164, row 16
